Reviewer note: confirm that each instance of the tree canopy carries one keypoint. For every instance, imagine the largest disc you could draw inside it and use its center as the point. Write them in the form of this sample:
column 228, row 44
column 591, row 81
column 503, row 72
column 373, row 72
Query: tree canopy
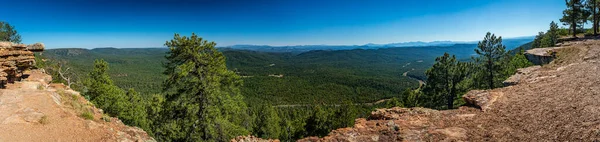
column 203, row 100
column 9, row 33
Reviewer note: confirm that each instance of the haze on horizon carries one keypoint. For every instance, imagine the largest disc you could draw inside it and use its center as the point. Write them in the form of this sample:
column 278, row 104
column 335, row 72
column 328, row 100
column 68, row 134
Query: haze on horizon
column 130, row 23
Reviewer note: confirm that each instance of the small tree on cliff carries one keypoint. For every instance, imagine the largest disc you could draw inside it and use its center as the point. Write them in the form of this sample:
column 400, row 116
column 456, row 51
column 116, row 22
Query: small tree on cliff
column 102, row 92
column 203, row 101
column 9, row 33
column 443, row 82
column 491, row 56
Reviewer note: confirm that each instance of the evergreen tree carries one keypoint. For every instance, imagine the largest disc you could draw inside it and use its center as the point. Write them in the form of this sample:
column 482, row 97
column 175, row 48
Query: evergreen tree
column 135, row 112
column 203, row 101
column 443, row 82
column 537, row 42
column 592, row 7
column 393, row 102
column 9, row 33
column 411, row 98
column 573, row 15
column 516, row 62
column 268, row 122
column 491, row 54
column 553, row 34
column 344, row 115
column 318, row 123
column 103, row 93
column 154, row 107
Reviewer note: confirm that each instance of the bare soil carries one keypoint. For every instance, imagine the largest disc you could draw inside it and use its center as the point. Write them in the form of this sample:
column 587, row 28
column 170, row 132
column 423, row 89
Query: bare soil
column 33, row 110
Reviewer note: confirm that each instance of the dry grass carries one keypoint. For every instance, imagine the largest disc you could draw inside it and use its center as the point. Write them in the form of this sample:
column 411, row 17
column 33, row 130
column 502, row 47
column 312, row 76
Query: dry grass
column 87, row 115
column 73, row 100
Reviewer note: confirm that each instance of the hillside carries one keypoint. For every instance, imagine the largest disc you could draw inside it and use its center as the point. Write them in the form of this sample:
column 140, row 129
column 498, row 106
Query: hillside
column 34, row 110
column 554, row 102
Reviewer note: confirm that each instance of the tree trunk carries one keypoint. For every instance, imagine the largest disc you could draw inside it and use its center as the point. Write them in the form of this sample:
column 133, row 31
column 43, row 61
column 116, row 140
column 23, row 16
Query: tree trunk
column 450, row 97
column 491, row 71
column 574, row 19
column 595, row 23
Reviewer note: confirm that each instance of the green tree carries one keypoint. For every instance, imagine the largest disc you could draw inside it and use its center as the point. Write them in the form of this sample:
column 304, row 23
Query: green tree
column 573, row 15
column 491, row 54
column 553, row 34
column 411, row 98
column 344, row 115
column 517, row 61
column 203, row 101
column 135, row 112
column 268, row 122
column 592, row 7
column 102, row 92
column 393, row 102
column 443, row 82
column 318, row 123
column 154, row 107
column 537, row 42
column 9, row 33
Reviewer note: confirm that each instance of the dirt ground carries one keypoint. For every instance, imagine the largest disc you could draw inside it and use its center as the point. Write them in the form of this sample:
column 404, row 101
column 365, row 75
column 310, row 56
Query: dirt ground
column 33, row 110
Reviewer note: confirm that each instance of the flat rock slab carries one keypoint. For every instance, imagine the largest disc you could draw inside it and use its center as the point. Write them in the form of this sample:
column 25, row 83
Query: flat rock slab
column 540, row 56
column 482, row 98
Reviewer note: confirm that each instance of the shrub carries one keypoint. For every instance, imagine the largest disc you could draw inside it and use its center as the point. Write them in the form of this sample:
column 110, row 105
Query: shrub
column 87, row 115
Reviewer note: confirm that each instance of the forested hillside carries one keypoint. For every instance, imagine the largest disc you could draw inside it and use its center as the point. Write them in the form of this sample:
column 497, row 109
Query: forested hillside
column 358, row 75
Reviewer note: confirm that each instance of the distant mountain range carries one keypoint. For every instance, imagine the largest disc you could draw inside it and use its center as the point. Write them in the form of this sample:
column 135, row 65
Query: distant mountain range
column 510, row 43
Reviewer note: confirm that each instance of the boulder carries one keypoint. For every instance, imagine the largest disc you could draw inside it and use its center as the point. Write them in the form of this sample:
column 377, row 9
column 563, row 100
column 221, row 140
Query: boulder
column 482, row 98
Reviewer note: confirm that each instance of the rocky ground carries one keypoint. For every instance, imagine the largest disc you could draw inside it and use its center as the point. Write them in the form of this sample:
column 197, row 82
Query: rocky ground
column 34, row 110
column 559, row 101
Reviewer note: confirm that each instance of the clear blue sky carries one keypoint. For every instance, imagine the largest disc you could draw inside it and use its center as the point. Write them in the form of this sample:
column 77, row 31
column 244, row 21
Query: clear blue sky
column 128, row 23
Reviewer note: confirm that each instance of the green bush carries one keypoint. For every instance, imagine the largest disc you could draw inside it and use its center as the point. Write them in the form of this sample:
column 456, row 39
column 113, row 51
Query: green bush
column 87, row 115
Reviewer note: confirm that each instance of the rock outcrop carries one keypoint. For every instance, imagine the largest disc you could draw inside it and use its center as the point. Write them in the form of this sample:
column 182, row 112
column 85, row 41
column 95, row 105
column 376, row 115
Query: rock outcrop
column 251, row 138
column 541, row 56
column 557, row 102
column 35, row 110
column 16, row 60
column 520, row 75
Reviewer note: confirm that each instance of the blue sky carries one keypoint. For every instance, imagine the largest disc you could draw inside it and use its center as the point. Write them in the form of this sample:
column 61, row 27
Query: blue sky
column 129, row 24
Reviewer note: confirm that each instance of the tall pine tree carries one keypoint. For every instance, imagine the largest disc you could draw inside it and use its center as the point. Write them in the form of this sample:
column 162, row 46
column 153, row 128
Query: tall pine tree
column 203, row 101
column 443, row 82
column 573, row 15
column 491, row 56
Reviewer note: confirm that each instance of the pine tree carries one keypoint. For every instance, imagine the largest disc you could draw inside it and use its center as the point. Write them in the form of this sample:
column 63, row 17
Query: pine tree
column 574, row 15
column 203, row 101
column 443, row 82
column 553, row 34
column 135, row 112
column 9, row 33
column 537, row 42
column 491, row 54
column 268, row 122
column 102, row 92
column 592, row 7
